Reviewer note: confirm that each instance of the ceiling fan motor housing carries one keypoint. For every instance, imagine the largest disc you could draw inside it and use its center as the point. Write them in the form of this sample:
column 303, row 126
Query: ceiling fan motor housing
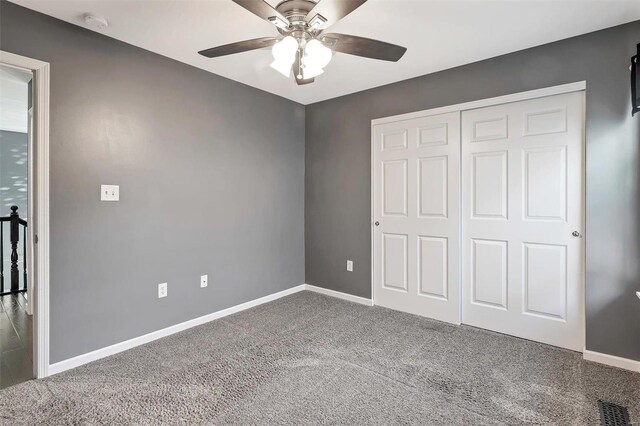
column 296, row 12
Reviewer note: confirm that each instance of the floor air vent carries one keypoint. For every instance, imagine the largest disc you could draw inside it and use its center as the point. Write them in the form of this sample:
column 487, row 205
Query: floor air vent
column 613, row 414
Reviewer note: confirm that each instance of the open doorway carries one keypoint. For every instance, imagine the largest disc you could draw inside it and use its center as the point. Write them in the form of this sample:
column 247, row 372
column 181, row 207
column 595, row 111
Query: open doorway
column 37, row 237
column 16, row 291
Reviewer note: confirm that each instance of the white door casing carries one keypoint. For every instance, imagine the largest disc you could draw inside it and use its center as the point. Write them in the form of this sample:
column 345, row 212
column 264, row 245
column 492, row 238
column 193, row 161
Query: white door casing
column 416, row 204
column 522, row 198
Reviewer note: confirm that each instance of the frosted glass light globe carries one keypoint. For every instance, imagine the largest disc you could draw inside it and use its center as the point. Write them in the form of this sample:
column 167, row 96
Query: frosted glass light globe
column 284, row 54
column 316, row 54
column 311, row 72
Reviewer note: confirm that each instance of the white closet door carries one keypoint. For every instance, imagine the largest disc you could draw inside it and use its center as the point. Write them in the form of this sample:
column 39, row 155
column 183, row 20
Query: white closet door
column 522, row 196
column 416, row 207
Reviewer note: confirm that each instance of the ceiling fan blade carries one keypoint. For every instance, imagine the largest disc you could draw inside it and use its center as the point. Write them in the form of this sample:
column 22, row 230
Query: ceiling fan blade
column 366, row 47
column 261, row 9
column 332, row 11
column 296, row 71
column 241, row 46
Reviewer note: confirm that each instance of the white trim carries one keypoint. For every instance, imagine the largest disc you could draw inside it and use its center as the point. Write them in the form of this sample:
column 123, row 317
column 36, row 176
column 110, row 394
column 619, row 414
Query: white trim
column 339, row 295
column 30, row 202
column 579, row 86
column 583, row 270
column 79, row 360
column 506, row 99
column 39, row 213
column 372, row 222
column 613, row 361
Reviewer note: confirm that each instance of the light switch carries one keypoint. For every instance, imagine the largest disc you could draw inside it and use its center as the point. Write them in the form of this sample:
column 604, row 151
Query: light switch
column 110, row 193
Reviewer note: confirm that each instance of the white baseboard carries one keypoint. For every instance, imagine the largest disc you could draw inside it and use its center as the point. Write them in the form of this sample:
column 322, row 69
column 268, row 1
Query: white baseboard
column 339, row 295
column 613, row 361
column 79, row 360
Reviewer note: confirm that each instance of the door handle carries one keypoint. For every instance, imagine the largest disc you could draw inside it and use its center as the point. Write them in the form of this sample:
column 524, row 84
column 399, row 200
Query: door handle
column 377, row 223
column 576, row 234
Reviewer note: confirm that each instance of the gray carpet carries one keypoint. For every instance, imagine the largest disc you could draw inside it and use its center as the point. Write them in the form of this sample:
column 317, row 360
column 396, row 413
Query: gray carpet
column 312, row 359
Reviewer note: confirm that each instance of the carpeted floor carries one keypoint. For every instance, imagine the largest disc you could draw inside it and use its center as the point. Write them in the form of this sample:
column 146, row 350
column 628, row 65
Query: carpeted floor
column 312, row 359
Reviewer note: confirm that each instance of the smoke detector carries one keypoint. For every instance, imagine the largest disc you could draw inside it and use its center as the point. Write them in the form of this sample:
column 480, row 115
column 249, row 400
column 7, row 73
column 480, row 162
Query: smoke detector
column 95, row 22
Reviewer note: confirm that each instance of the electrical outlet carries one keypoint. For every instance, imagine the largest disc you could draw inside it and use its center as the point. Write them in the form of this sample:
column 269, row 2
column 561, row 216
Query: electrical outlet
column 203, row 281
column 162, row 290
column 350, row 265
column 109, row 192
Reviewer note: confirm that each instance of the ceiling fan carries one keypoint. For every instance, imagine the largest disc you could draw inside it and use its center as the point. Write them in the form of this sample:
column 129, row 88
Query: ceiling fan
column 303, row 46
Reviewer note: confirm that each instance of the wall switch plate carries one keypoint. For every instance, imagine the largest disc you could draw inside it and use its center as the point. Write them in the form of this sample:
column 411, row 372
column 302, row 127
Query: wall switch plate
column 203, row 281
column 162, row 290
column 109, row 193
column 350, row 265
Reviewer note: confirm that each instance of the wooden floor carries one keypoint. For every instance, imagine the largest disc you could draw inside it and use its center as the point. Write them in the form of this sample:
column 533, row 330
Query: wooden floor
column 16, row 340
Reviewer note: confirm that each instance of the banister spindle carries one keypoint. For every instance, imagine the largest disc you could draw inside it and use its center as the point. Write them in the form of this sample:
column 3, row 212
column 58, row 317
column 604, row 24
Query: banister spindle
column 15, row 237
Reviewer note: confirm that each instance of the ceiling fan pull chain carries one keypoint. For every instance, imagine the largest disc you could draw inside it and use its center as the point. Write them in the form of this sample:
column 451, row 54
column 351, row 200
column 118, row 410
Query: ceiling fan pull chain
column 300, row 64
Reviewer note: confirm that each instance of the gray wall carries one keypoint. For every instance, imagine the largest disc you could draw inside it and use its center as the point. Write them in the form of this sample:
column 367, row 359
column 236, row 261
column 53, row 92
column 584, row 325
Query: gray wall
column 211, row 176
column 338, row 155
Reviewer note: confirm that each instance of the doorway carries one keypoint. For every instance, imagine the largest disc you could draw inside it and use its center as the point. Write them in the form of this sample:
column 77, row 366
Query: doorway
column 37, row 220
column 478, row 214
column 16, row 321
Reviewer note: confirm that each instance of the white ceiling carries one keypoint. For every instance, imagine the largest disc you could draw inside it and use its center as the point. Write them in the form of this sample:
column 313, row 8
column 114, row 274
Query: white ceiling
column 438, row 34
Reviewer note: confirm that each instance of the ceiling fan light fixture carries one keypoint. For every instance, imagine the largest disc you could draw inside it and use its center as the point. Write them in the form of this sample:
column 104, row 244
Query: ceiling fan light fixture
column 316, row 54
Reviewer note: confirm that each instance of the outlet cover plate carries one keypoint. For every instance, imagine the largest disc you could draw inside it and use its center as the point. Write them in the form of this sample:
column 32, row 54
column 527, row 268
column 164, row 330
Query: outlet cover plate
column 204, row 281
column 350, row 265
column 162, row 290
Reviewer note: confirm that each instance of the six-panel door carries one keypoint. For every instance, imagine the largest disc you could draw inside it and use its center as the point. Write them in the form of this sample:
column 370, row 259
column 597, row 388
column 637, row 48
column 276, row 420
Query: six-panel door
column 416, row 203
column 522, row 199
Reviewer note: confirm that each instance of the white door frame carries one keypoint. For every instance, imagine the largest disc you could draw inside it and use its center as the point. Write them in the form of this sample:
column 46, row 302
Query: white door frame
column 38, row 213
column 506, row 99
